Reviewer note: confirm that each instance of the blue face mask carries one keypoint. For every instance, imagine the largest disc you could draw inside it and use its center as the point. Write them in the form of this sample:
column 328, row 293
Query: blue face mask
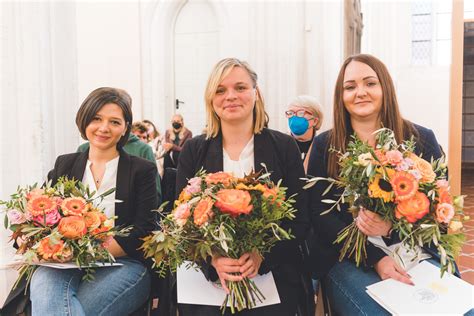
column 298, row 125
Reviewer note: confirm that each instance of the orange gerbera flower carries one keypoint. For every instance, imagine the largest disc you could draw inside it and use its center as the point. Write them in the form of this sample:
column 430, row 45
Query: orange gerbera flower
column 40, row 205
column 75, row 206
column 47, row 249
column 404, row 185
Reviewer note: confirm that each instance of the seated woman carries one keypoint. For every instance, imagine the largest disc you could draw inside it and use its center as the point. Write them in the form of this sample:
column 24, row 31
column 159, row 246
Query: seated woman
column 238, row 141
column 104, row 119
column 364, row 101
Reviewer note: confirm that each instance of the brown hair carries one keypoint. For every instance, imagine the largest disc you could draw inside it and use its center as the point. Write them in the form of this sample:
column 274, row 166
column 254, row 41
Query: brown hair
column 390, row 116
column 96, row 100
column 219, row 72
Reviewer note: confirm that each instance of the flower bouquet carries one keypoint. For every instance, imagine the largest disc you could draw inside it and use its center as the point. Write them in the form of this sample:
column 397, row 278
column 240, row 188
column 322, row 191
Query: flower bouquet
column 402, row 188
column 59, row 223
column 221, row 215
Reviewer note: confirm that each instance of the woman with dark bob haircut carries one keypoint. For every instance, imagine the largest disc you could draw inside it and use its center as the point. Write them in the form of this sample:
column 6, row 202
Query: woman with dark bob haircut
column 237, row 140
column 104, row 119
column 364, row 101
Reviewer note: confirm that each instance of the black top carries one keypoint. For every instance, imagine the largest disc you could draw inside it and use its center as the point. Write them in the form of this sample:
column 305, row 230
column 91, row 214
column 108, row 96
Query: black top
column 280, row 154
column 324, row 253
column 136, row 188
column 304, row 147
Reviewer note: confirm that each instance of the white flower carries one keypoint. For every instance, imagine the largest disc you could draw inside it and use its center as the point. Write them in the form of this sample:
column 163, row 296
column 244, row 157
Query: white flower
column 365, row 159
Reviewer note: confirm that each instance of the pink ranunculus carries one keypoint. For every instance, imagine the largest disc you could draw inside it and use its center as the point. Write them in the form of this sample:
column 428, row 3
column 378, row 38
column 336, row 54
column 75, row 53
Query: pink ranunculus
column 404, row 165
column 16, row 217
column 444, row 212
column 442, row 184
column 194, row 185
column 51, row 218
column 394, row 157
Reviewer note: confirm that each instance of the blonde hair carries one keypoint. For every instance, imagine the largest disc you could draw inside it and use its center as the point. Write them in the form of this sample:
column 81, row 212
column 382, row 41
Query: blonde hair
column 218, row 73
column 310, row 104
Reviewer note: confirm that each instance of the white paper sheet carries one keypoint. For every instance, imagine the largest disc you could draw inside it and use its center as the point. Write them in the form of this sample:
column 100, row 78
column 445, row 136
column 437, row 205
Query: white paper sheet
column 193, row 288
column 72, row 265
column 431, row 294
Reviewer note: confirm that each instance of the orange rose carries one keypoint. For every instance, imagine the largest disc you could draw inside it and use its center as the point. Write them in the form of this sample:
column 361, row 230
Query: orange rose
column 74, row 206
column 203, row 211
column 92, row 220
column 72, row 227
column 219, row 177
column 46, row 249
column 414, row 208
column 444, row 212
column 234, row 202
column 425, row 168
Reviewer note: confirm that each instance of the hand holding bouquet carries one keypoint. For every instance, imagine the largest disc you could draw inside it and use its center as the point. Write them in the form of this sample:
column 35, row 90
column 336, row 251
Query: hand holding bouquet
column 218, row 215
column 59, row 223
column 405, row 190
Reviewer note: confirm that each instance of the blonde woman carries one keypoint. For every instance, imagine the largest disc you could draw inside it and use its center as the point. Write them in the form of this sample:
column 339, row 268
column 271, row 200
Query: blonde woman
column 237, row 140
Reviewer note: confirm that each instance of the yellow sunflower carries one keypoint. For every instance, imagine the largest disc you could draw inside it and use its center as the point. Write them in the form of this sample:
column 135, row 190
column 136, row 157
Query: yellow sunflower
column 379, row 188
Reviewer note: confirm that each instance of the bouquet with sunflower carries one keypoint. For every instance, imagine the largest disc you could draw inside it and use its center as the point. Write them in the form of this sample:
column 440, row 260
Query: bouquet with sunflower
column 60, row 223
column 218, row 214
column 401, row 187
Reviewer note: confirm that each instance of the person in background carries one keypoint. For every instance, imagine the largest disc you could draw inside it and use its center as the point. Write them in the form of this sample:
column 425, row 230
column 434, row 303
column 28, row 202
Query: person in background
column 155, row 140
column 237, row 140
column 304, row 120
column 141, row 131
column 135, row 147
column 105, row 119
column 175, row 137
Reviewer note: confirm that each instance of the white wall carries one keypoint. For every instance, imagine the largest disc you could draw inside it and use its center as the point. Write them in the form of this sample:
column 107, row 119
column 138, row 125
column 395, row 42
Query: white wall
column 423, row 91
column 108, row 49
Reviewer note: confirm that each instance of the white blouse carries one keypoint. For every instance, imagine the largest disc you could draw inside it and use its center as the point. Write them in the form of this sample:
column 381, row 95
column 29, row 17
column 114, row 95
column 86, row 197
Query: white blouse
column 109, row 181
column 245, row 164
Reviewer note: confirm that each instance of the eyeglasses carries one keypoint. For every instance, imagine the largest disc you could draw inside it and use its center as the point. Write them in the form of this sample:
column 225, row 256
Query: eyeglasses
column 299, row 113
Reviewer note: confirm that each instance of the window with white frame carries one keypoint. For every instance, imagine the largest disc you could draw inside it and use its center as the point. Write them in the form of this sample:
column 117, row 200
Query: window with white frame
column 431, row 32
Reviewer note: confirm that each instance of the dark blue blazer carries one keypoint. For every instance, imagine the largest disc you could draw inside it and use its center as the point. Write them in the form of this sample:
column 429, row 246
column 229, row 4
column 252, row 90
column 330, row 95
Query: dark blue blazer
column 136, row 188
column 324, row 254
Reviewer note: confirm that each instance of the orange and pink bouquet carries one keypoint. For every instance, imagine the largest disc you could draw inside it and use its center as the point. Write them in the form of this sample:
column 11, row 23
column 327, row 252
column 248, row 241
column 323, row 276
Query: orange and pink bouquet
column 60, row 223
column 410, row 192
column 218, row 214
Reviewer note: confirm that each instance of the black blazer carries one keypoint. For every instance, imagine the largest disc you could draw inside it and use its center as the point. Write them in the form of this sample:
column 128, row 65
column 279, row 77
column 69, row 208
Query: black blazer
column 324, row 253
column 136, row 187
column 280, row 154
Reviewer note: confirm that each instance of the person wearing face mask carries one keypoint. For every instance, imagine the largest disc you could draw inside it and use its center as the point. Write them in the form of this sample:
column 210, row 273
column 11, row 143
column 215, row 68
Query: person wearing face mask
column 175, row 138
column 304, row 120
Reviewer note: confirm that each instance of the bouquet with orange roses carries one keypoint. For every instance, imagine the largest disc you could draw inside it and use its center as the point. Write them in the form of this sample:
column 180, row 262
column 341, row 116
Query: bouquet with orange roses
column 401, row 187
column 60, row 223
column 218, row 214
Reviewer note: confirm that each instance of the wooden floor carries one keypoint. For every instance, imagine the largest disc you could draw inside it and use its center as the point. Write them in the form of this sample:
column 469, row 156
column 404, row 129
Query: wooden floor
column 466, row 259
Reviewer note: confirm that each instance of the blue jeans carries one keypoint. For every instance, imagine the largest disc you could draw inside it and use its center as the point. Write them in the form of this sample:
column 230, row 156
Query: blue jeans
column 114, row 290
column 345, row 286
